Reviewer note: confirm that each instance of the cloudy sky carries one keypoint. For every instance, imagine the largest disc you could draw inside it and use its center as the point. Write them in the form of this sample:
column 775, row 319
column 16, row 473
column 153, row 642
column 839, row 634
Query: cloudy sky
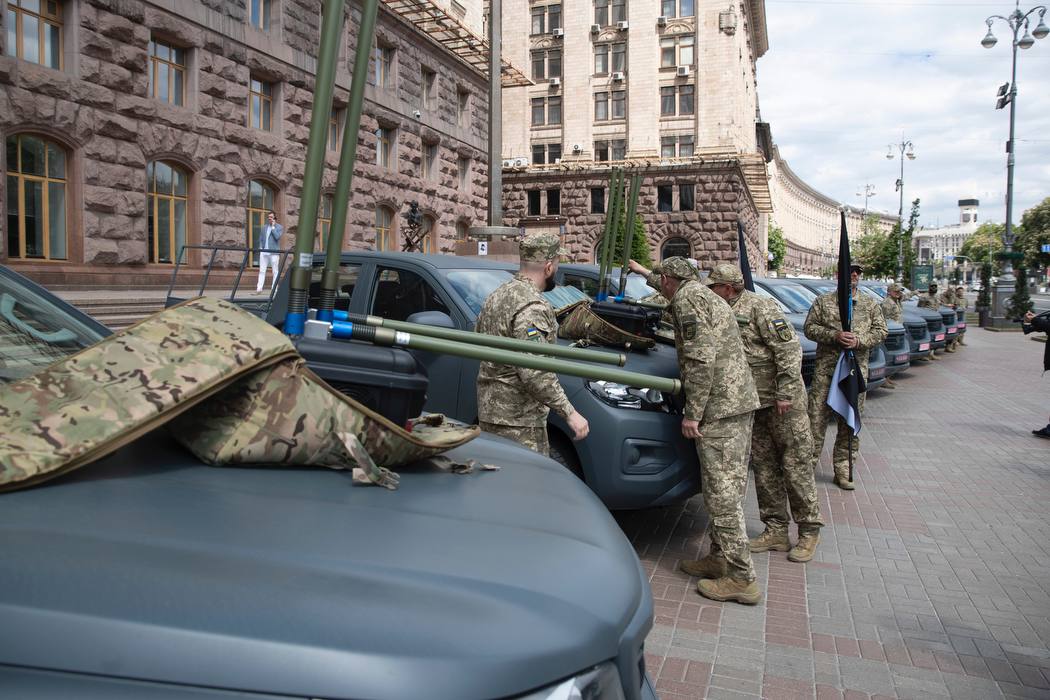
column 844, row 78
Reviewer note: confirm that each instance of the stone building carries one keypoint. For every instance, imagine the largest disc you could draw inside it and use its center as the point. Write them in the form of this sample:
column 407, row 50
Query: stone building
column 938, row 245
column 666, row 89
column 134, row 126
column 811, row 222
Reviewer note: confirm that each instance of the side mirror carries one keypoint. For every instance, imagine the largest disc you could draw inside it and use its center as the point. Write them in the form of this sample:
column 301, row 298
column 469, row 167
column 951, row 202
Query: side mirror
column 438, row 319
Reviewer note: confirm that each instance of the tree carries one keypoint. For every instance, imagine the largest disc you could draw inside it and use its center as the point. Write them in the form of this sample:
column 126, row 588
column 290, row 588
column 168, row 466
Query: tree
column 777, row 246
column 1020, row 302
column 984, row 244
column 868, row 250
column 639, row 243
column 1033, row 234
column 984, row 297
column 898, row 242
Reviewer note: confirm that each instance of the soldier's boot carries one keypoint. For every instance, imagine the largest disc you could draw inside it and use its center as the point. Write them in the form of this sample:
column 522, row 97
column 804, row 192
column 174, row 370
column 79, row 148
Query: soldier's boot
column 843, row 481
column 726, row 588
column 711, row 566
column 806, row 547
column 770, row 540
column 933, row 355
column 889, row 384
column 949, row 348
column 961, row 342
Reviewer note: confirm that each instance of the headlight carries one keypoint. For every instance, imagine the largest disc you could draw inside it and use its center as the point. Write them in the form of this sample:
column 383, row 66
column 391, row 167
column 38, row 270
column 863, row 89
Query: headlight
column 623, row 396
column 599, row 683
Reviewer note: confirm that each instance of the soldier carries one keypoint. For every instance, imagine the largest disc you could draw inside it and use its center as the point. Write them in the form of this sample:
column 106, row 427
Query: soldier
column 781, row 446
column 892, row 311
column 947, row 298
column 720, row 400
column 960, row 303
column 513, row 401
column 868, row 329
column 929, row 299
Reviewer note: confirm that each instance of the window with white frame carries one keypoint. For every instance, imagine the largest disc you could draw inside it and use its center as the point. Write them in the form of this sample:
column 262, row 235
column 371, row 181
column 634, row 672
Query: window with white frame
column 545, row 18
column 615, row 149
column 610, row 105
column 546, row 153
column 546, row 63
column 677, row 8
column 610, row 58
column 677, row 100
column 382, row 74
column 677, row 50
column 546, row 111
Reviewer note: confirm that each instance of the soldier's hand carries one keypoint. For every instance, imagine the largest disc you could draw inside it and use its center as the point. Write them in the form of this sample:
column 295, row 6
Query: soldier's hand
column 637, row 267
column 1028, row 316
column 579, row 426
column 691, row 429
column 783, row 407
column 846, row 339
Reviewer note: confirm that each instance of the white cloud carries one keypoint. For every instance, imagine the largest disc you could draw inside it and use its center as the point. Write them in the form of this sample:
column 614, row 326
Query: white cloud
column 842, row 80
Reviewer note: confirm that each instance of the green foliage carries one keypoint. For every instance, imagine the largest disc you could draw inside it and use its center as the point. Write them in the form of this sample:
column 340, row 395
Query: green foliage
column 1020, row 302
column 639, row 244
column 956, row 276
column 984, row 244
column 830, row 272
column 1033, row 233
column 777, row 246
column 898, row 245
column 984, row 297
column 869, row 249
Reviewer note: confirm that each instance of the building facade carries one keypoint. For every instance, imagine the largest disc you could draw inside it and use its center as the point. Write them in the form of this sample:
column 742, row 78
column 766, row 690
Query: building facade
column 664, row 89
column 811, row 220
column 134, row 127
column 941, row 245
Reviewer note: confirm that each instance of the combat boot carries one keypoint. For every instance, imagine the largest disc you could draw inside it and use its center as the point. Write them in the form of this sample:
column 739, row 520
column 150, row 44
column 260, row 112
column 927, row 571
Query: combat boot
column 805, row 549
column 727, row 588
column 770, row 540
column 711, row 566
column 843, row 482
column 950, row 348
column 889, row 384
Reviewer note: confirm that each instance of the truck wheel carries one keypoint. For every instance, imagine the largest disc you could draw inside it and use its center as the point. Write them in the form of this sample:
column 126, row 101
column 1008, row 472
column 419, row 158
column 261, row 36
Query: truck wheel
column 563, row 453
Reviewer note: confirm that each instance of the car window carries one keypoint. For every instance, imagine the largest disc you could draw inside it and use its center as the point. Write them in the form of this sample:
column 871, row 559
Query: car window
column 34, row 332
column 401, row 293
column 795, row 296
column 474, row 286
column 561, row 296
column 763, row 292
column 585, row 284
column 348, row 275
column 871, row 292
column 880, row 290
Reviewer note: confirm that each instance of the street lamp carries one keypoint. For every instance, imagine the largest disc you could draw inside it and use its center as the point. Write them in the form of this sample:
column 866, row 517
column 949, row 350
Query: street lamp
column 869, row 191
column 907, row 150
column 963, row 257
column 1015, row 21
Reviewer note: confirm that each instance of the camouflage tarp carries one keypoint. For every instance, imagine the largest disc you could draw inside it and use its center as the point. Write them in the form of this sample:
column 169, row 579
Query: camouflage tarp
column 580, row 323
column 90, row 404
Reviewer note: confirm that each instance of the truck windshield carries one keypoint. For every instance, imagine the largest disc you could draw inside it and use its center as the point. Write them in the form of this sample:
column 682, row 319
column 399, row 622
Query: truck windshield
column 474, row 286
column 34, row 332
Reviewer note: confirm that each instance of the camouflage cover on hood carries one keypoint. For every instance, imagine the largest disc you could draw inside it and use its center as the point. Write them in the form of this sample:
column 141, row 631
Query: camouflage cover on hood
column 580, row 323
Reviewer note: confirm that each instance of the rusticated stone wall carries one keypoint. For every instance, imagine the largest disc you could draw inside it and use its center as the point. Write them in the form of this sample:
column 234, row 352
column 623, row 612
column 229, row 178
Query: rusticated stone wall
column 98, row 108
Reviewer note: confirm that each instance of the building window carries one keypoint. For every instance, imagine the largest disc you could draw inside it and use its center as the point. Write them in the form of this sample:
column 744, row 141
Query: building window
column 382, row 66
column 167, row 72
column 665, row 198
column 324, row 223
column 553, row 202
column 604, row 111
column 462, row 107
column 677, row 51
column 546, row 64
column 260, row 14
column 462, row 231
column 677, row 8
column 602, row 54
column 36, row 198
column 686, row 101
column 260, row 104
column 686, row 197
column 534, row 202
column 597, row 200
column 333, row 132
column 386, row 139
column 546, row 153
column 385, row 234
column 610, row 150
column 166, row 206
column 34, row 31
column 463, row 166
column 428, row 228
column 546, row 111
column 430, row 160
column 677, row 100
column 675, row 247
column 260, row 203
column 545, row 18
column 619, row 104
column 428, row 83
column 601, row 12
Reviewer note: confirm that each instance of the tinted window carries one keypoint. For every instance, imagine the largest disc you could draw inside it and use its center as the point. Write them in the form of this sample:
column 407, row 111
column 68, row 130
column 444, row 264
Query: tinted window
column 763, row 292
column 348, row 274
column 474, row 286
column 797, row 297
column 401, row 293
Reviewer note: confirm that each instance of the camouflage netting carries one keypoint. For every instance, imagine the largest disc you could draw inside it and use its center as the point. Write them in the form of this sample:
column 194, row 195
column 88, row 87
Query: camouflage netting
column 88, row 405
column 578, row 322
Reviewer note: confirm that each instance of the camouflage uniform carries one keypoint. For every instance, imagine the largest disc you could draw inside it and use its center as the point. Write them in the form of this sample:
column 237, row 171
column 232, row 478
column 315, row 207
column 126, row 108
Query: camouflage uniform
column 947, row 298
column 929, row 300
column 720, row 394
column 822, row 323
column 892, row 310
column 514, row 401
column 781, row 446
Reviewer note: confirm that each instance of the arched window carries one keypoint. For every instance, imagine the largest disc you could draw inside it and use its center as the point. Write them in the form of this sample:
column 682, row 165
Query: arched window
column 324, row 223
column 675, row 247
column 385, row 234
column 430, row 234
column 36, row 198
column 166, row 213
column 260, row 201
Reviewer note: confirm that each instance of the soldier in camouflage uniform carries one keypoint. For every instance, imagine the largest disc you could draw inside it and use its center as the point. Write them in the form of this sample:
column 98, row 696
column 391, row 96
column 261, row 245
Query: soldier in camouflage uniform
column 824, row 327
column 513, row 401
column 720, row 400
column 781, row 446
column 947, row 298
column 960, row 303
column 929, row 299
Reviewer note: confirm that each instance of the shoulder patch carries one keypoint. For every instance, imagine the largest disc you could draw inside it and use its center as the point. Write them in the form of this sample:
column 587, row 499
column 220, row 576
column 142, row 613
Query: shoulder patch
column 533, row 333
column 782, row 329
column 689, row 326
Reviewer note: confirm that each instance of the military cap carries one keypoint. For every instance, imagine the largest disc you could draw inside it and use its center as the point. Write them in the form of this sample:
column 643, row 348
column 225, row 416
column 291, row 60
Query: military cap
column 856, row 268
column 725, row 273
column 679, row 268
column 894, row 288
column 540, row 247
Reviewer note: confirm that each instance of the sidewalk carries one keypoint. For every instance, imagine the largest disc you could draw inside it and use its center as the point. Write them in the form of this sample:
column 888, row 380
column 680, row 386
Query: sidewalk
column 932, row 578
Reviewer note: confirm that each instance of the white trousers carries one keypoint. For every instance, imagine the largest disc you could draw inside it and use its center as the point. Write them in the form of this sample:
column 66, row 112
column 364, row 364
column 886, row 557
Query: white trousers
column 267, row 260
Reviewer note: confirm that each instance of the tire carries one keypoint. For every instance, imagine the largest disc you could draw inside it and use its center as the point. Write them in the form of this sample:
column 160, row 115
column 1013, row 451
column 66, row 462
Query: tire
column 563, row 453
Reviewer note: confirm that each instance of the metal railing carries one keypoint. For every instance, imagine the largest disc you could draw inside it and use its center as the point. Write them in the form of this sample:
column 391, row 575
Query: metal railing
column 245, row 252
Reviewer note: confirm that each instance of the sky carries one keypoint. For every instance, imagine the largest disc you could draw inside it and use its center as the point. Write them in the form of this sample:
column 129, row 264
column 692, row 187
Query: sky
column 843, row 79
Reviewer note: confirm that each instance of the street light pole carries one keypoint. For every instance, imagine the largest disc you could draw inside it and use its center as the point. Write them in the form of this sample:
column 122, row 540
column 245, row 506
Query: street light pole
column 869, row 191
column 907, row 149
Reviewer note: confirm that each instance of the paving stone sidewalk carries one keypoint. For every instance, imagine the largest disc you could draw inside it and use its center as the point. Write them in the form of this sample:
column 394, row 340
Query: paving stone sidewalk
column 932, row 578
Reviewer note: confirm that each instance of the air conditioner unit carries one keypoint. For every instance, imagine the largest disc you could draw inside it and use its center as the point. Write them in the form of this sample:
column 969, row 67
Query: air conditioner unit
column 595, row 28
column 521, row 162
column 576, row 148
column 682, row 71
column 621, row 26
column 558, row 32
column 508, row 162
column 617, row 77
column 554, row 82
column 661, row 21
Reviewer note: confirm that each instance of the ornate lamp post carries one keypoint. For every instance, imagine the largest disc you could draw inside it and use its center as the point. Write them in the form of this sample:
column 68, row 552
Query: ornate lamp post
column 869, row 191
column 907, row 150
column 1008, row 94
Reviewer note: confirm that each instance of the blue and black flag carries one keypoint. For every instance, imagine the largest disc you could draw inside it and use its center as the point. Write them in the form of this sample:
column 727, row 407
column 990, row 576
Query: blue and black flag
column 847, row 383
column 745, row 266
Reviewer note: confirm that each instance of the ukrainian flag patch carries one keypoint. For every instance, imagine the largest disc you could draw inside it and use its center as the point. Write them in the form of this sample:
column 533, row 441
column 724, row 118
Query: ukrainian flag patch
column 533, row 333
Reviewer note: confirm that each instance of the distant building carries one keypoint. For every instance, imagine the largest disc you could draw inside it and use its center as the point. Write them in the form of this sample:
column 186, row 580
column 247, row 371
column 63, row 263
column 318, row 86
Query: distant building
column 942, row 244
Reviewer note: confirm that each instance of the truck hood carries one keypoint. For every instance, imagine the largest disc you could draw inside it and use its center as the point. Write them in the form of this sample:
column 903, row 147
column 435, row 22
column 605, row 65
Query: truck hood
column 149, row 565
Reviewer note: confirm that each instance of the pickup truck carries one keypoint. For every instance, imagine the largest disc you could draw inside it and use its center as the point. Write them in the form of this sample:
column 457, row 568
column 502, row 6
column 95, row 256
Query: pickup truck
column 151, row 575
column 636, row 456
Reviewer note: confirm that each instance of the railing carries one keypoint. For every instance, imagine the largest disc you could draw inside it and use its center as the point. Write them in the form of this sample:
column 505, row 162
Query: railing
column 245, row 253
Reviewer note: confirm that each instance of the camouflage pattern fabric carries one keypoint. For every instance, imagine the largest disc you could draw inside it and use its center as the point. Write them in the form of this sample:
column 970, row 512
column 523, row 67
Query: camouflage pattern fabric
column 929, row 301
column 515, row 395
column 723, row 452
column 892, row 310
column 286, row 415
column 822, row 323
column 773, row 351
column 711, row 361
column 583, row 324
column 531, row 437
column 947, row 297
column 90, row 404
